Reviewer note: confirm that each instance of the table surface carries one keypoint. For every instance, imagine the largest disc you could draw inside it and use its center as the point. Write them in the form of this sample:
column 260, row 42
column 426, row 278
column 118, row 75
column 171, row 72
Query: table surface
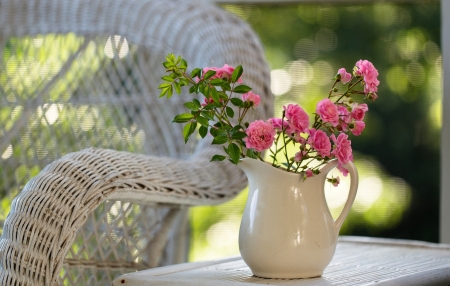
column 357, row 261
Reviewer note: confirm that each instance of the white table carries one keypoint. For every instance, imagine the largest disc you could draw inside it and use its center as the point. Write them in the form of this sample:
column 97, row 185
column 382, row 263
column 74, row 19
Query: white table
column 358, row 261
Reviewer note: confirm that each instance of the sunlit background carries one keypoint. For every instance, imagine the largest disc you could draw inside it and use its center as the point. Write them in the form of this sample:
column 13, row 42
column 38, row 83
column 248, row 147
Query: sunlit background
column 398, row 154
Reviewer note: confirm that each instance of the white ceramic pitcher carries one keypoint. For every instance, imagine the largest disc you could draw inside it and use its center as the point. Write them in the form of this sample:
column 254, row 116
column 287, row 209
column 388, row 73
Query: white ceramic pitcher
column 287, row 230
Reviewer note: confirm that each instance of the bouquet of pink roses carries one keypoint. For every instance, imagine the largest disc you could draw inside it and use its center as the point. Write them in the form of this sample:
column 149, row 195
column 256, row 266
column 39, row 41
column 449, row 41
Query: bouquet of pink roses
column 325, row 139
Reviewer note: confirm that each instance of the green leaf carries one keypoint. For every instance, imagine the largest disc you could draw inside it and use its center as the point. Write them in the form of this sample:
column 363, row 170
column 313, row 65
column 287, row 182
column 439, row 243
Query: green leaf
column 184, row 82
column 183, row 64
column 188, row 130
column 218, row 158
column 168, row 78
column 195, row 72
column 163, row 85
column 215, row 95
column 203, row 131
column 217, row 132
column 209, row 74
column 219, row 140
column 235, row 152
column 203, row 121
column 193, row 89
column 168, row 65
column 184, row 117
column 251, row 154
column 242, row 89
column 197, row 103
column 177, row 87
column 237, row 73
column 216, row 82
column 208, row 115
column 236, row 128
column 191, row 106
column 209, row 107
column 226, row 86
column 230, row 111
column 163, row 92
column 206, row 91
column 237, row 102
column 239, row 135
column 223, row 95
column 169, row 91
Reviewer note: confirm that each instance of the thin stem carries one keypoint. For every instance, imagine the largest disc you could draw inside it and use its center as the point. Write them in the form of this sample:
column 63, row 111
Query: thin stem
column 350, row 86
column 285, row 148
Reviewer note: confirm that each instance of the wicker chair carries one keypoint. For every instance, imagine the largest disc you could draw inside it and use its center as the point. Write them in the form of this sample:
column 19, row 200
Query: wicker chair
column 78, row 95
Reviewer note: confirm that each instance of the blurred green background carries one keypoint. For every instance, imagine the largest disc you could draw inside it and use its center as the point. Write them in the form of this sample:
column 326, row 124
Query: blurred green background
column 398, row 154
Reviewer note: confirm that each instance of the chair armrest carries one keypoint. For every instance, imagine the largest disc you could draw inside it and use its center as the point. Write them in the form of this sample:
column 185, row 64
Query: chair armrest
column 46, row 215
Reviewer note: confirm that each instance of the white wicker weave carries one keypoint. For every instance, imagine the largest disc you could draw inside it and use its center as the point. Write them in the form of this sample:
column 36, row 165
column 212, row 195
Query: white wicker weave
column 78, row 80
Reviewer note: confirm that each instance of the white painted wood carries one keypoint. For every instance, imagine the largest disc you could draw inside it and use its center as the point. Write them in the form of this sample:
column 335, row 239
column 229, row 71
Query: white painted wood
column 445, row 137
column 358, row 261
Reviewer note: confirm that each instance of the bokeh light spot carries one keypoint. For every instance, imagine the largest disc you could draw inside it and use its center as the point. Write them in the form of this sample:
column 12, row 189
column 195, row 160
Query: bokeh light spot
column 326, row 40
column 306, row 49
column 301, row 72
column 280, row 82
column 397, row 80
column 323, row 73
column 415, row 73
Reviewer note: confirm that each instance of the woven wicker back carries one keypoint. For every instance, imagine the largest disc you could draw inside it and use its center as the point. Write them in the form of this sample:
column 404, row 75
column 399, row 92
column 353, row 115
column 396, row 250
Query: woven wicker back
column 80, row 73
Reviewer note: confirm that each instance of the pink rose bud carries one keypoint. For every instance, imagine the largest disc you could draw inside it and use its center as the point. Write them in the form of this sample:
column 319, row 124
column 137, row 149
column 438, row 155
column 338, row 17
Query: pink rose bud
column 359, row 111
column 358, row 127
column 251, row 97
column 299, row 156
column 336, row 181
column 342, row 151
column 309, row 173
column 365, row 69
column 344, row 75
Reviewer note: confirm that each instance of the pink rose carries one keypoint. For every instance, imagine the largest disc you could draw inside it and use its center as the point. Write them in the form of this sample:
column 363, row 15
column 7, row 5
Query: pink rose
column 309, row 173
column 277, row 123
column 359, row 111
column 372, row 96
column 344, row 75
column 299, row 138
column 344, row 117
column 260, row 135
column 227, row 71
column 297, row 118
column 367, row 70
column 328, row 111
column 342, row 151
column 320, row 142
column 336, row 181
column 224, row 72
column 251, row 97
column 299, row 156
column 358, row 127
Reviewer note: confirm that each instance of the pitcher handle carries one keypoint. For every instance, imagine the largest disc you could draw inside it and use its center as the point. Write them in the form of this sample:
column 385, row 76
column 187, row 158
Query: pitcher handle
column 351, row 194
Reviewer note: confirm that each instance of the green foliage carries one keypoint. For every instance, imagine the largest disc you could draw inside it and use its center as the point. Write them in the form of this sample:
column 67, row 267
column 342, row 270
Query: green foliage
column 218, row 93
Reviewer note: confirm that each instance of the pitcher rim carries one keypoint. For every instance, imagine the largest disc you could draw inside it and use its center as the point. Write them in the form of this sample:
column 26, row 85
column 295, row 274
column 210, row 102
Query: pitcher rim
column 281, row 169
